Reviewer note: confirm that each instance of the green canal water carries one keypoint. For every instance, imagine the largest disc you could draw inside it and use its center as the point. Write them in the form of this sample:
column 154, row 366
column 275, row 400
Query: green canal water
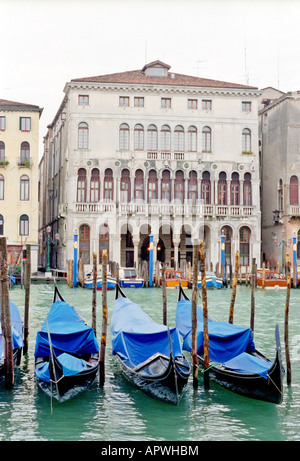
column 119, row 412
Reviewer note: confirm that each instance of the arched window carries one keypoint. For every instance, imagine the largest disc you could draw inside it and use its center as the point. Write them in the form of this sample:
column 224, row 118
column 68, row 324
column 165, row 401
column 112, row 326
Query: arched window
column 24, row 225
column 245, row 246
column 192, row 139
column 179, row 186
column 247, row 190
column 103, row 241
column 25, row 152
column 81, row 185
column 125, row 186
column 222, row 189
column 165, row 186
column 235, row 189
column 294, row 194
column 206, row 139
column 152, row 186
column 193, row 187
column 95, row 186
column 1, row 187
column 165, row 138
column 1, row 225
column 206, row 188
column 138, row 137
column 108, row 184
column 124, row 137
column 139, row 185
column 179, row 139
column 2, row 151
column 84, row 243
column 152, row 138
column 246, row 140
column 24, row 187
column 83, row 136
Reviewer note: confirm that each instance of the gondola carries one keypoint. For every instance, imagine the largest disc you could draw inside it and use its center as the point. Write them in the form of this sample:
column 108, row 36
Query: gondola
column 149, row 354
column 66, row 352
column 234, row 362
column 17, row 338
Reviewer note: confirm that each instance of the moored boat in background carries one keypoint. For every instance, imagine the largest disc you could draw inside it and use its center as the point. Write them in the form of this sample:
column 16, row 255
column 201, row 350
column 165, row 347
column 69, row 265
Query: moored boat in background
column 174, row 278
column 88, row 281
column 128, row 278
column 270, row 279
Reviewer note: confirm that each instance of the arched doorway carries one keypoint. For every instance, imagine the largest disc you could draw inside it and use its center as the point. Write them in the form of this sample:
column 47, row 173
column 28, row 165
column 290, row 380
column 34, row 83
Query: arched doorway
column 160, row 250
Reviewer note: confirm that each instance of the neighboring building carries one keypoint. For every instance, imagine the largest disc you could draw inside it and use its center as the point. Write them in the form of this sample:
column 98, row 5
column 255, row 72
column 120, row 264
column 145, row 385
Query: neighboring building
column 152, row 151
column 280, row 175
column 19, row 150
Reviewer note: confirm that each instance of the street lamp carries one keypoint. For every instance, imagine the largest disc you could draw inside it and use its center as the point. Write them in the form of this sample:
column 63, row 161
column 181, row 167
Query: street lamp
column 283, row 243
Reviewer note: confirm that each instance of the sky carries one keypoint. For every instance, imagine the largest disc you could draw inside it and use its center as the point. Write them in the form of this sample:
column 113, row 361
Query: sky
column 46, row 43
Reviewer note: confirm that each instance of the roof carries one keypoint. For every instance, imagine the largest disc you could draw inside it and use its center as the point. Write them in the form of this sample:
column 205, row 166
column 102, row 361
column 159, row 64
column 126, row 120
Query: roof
column 13, row 105
column 138, row 77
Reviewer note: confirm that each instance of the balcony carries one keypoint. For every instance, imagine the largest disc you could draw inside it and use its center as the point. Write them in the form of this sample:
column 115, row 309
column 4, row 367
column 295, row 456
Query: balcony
column 140, row 208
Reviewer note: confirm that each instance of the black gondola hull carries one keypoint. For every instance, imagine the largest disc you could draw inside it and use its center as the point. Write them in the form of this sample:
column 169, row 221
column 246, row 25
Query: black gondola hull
column 249, row 385
column 166, row 385
column 63, row 388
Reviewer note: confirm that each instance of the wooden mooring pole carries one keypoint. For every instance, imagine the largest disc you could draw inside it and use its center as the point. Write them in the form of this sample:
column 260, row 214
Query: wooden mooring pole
column 253, row 283
column 94, row 298
column 164, row 292
column 234, row 284
column 286, row 323
column 27, row 297
column 194, row 316
column 104, row 319
column 205, row 317
column 5, row 317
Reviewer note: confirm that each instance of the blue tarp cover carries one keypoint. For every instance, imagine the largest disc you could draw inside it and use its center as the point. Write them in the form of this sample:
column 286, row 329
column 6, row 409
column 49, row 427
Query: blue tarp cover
column 17, row 329
column 246, row 363
column 69, row 333
column 135, row 337
column 228, row 343
column 71, row 366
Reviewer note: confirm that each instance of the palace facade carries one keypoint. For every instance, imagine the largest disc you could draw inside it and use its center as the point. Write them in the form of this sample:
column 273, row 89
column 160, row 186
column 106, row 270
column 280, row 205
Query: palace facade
column 151, row 152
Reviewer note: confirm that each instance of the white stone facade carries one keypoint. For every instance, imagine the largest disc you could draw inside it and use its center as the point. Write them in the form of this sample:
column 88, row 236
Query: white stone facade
column 198, row 159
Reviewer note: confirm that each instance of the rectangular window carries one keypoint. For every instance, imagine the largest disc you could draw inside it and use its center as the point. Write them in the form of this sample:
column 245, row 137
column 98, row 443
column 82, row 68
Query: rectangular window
column 83, row 100
column 166, row 103
column 25, row 123
column 246, row 106
column 138, row 102
column 124, row 101
column 2, row 123
column 192, row 104
column 206, row 104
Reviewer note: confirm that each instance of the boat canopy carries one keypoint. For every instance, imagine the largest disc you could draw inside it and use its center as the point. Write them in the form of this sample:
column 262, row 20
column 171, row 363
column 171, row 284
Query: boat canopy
column 17, row 329
column 226, row 340
column 135, row 337
column 69, row 333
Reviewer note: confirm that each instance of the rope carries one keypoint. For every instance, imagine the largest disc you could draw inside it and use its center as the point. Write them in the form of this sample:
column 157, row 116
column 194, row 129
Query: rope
column 210, row 366
column 269, row 377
